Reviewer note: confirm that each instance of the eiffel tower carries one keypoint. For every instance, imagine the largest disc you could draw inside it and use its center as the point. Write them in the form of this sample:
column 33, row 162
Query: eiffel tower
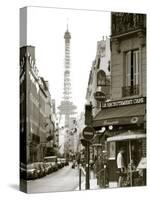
column 67, row 108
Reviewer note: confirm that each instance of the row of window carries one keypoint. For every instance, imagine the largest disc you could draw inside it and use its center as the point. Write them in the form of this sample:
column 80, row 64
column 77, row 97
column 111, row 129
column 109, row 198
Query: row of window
column 131, row 80
column 131, row 74
column 132, row 68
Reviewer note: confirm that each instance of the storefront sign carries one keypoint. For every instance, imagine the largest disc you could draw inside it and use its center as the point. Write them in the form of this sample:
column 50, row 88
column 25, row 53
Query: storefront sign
column 108, row 122
column 125, row 102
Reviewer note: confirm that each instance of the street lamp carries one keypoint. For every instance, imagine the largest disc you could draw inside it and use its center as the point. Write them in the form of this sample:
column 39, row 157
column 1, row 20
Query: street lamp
column 110, row 127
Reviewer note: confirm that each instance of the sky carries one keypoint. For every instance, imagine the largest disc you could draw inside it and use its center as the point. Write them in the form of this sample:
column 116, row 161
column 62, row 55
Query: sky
column 45, row 31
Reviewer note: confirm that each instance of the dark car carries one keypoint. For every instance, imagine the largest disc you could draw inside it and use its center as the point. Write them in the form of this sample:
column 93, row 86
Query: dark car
column 53, row 161
column 40, row 169
column 60, row 163
column 48, row 168
column 43, row 169
column 23, row 169
column 54, row 166
column 31, row 172
column 64, row 162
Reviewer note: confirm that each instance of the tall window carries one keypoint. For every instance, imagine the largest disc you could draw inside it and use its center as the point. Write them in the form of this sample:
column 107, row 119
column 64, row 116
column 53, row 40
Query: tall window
column 98, row 63
column 131, row 73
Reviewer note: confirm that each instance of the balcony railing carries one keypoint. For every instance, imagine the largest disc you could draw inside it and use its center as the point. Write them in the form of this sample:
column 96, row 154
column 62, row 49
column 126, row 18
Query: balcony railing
column 130, row 90
column 126, row 22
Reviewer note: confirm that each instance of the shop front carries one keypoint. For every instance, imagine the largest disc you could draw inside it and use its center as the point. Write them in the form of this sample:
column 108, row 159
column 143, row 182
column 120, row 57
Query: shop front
column 124, row 122
column 132, row 143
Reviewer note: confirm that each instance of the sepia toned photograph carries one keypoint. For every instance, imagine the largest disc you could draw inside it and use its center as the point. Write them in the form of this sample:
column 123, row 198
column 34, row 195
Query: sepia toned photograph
column 82, row 99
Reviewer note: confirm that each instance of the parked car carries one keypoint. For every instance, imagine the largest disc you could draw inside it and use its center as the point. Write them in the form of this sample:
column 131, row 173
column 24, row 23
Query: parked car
column 23, row 169
column 48, row 167
column 43, row 170
column 66, row 162
column 31, row 172
column 53, row 161
column 60, row 163
column 39, row 166
column 63, row 161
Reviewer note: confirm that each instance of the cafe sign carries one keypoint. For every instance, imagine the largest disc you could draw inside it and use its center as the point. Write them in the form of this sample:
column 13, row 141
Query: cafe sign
column 125, row 102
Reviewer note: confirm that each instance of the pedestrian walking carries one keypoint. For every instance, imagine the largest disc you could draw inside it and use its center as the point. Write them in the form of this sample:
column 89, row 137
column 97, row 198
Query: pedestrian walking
column 120, row 166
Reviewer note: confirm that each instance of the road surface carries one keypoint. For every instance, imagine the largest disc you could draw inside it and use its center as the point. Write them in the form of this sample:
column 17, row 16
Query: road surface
column 65, row 179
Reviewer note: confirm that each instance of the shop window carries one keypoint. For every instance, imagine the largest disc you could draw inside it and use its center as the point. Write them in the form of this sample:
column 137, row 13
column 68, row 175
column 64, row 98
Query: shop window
column 112, row 151
column 131, row 73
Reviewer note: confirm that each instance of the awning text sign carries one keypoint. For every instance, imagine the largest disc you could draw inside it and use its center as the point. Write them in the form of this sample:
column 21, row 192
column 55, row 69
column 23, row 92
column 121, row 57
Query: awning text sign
column 125, row 102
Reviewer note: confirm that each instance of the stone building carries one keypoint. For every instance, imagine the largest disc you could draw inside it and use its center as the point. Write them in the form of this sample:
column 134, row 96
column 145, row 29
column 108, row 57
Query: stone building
column 99, row 77
column 124, row 116
column 71, row 137
column 35, row 109
column 98, row 89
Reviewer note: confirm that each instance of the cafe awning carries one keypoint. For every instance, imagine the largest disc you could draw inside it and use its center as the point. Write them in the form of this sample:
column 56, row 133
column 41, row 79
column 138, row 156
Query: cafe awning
column 130, row 114
column 128, row 135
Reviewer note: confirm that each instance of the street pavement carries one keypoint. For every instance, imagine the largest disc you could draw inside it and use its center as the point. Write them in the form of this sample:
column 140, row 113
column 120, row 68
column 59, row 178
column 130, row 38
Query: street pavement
column 65, row 179
column 93, row 182
column 93, row 185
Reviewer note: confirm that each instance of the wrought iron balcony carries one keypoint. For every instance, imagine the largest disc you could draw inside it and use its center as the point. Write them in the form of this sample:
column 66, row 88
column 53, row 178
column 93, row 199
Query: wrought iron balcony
column 130, row 90
column 125, row 22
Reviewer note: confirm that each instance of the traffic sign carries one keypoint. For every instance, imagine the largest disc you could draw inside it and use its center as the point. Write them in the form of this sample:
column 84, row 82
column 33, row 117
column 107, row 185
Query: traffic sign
column 99, row 96
column 88, row 133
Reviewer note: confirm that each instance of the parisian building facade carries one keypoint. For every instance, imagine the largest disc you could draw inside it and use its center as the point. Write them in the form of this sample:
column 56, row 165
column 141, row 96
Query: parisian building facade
column 123, row 117
column 119, row 110
column 99, row 84
column 99, row 77
column 37, row 125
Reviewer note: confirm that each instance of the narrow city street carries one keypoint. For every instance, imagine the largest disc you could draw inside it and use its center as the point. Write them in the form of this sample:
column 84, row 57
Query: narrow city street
column 100, row 125
column 65, row 179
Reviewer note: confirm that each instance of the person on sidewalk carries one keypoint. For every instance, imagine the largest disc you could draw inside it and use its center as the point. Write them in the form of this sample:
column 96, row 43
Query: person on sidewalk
column 73, row 164
column 120, row 166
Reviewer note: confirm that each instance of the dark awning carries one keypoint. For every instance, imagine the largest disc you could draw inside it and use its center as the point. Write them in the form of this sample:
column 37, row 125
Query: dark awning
column 120, row 115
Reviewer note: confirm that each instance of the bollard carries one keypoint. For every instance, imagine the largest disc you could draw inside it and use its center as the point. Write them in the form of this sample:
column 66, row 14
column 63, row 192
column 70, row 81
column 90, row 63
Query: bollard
column 87, row 183
column 80, row 177
column 104, row 176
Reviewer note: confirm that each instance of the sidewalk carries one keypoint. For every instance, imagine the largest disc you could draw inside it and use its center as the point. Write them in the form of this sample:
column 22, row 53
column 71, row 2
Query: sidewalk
column 93, row 185
column 93, row 182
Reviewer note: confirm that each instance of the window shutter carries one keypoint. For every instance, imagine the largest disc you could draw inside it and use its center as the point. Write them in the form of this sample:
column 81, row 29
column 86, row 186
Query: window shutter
column 128, row 69
column 136, row 67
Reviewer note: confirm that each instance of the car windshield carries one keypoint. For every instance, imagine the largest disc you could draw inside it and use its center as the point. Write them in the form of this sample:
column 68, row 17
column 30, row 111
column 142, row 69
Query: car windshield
column 50, row 159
